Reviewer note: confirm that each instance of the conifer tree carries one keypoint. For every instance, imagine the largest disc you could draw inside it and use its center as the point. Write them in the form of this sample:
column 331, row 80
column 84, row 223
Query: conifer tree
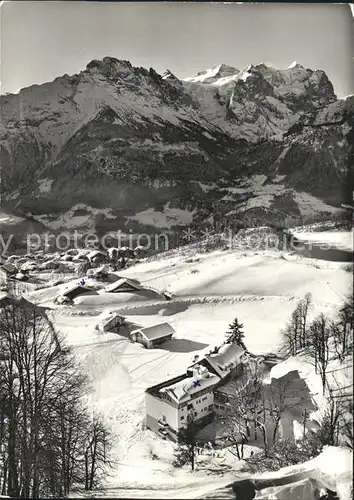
column 235, row 334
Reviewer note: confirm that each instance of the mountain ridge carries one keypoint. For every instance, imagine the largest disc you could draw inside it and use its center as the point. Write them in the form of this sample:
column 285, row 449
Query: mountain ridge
column 131, row 139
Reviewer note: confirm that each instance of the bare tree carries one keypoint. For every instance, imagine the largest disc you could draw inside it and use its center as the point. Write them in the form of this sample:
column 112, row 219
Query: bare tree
column 343, row 329
column 96, row 453
column 319, row 350
column 243, row 410
column 43, row 426
column 304, row 307
column 280, row 397
column 296, row 332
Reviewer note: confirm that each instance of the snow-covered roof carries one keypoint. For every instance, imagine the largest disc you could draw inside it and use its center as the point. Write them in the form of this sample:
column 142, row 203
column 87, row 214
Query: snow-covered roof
column 94, row 254
column 187, row 387
column 74, row 286
column 9, row 268
column 155, row 331
column 123, row 281
column 111, row 250
column 98, row 270
column 106, row 317
column 227, row 358
column 20, row 276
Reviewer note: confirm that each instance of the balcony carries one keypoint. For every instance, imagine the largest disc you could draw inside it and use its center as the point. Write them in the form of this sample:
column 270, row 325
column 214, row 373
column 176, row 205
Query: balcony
column 162, row 423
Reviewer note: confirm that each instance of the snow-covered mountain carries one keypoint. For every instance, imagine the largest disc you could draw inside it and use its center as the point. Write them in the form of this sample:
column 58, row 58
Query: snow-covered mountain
column 262, row 141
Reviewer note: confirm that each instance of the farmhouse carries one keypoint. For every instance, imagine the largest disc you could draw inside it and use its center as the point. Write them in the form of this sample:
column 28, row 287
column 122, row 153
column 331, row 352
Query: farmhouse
column 124, row 285
column 152, row 336
column 169, row 403
column 110, row 322
column 75, row 290
column 224, row 360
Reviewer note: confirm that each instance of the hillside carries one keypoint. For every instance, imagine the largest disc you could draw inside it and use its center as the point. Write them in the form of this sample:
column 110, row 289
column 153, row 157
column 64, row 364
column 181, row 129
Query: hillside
column 117, row 145
column 260, row 288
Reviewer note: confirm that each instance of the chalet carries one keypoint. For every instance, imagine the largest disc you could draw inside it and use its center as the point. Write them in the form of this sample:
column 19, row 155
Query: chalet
column 152, row 336
column 112, row 254
column 223, row 360
column 96, row 257
column 49, row 264
column 29, row 266
column 109, row 322
column 7, row 271
column 126, row 252
column 75, row 290
column 98, row 273
column 124, row 285
column 139, row 251
column 169, row 403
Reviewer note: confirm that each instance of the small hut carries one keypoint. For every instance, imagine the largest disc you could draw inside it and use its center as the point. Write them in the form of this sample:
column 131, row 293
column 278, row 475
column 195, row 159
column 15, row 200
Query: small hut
column 152, row 336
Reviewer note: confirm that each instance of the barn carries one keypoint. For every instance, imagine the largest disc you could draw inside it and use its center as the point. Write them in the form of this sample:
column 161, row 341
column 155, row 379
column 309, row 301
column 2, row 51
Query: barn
column 109, row 322
column 124, row 285
column 152, row 336
column 75, row 290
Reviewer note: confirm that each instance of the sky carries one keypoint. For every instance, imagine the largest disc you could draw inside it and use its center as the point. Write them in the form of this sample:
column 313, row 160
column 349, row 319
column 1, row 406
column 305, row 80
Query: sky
column 42, row 40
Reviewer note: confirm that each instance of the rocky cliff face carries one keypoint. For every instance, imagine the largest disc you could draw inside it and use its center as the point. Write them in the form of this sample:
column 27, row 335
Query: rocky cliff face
column 116, row 144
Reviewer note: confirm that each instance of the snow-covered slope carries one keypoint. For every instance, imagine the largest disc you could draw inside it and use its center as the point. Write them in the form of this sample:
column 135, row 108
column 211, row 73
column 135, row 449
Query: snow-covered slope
column 209, row 290
column 129, row 139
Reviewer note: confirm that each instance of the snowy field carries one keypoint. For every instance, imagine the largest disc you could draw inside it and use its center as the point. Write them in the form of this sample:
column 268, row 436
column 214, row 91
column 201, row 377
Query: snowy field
column 261, row 289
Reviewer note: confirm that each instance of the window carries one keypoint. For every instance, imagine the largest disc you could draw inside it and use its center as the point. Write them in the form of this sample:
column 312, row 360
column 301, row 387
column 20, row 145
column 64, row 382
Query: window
column 210, row 407
column 217, row 406
column 163, row 418
column 204, row 398
column 189, row 407
column 182, row 417
column 195, row 413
